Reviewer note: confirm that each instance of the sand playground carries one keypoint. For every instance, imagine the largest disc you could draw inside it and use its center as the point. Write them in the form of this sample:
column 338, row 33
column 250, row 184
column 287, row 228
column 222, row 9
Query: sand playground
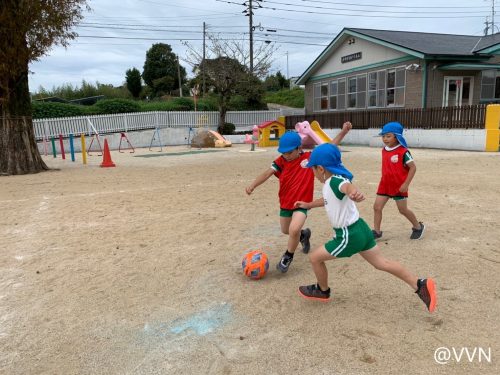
column 137, row 270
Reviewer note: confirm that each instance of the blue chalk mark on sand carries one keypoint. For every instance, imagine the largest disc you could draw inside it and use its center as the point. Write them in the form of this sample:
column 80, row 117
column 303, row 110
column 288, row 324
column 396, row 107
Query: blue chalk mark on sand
column 200, row 323
column 205, row 321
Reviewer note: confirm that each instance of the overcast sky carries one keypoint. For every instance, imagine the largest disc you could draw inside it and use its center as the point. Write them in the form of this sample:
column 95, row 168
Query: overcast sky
column 115, row 35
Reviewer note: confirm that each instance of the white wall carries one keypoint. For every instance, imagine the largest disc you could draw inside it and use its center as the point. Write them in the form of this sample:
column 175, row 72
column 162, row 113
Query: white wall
column 458, row 139
column 453, row 139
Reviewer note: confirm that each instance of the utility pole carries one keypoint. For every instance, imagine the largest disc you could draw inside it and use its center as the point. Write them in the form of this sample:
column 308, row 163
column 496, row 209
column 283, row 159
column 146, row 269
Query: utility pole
column 250, row 18
column 288, row 75
column 492, row 17
column 179, row 77
column 249, row 12
column 203, row 61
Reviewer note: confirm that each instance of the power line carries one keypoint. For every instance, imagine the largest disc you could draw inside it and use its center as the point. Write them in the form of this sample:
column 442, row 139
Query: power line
column 185, row 39
column 391, row 6
column 357, row 14
column 368, row 10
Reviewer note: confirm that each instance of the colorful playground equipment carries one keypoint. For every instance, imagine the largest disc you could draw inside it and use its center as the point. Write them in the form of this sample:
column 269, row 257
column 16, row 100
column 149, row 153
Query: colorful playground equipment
column 220, row 141
column 311, row 134
column 270, row 132
column 254, row 138
column 130, row 147
column 209, row 138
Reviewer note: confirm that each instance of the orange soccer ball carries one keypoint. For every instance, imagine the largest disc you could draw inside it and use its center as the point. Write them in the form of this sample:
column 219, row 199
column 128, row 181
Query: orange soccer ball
column 255, row 264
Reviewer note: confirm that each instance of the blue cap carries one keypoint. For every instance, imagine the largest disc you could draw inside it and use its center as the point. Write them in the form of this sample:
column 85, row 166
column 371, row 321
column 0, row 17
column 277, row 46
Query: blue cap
column 395, row 128
column 289, row 142
column 328, row 156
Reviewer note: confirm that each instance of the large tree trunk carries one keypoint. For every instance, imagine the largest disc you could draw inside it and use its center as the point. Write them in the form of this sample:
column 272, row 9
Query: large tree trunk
column 18, row 150
column 222, row 112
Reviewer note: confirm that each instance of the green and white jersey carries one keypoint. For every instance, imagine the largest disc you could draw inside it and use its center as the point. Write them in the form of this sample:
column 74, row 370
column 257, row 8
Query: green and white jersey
column 341, row 210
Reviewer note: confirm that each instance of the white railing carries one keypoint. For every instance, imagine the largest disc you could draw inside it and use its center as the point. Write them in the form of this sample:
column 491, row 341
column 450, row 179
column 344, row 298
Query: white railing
column 243, row 120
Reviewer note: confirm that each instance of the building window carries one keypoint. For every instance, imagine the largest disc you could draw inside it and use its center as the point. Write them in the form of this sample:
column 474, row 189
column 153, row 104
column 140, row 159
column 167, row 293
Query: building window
column 356, row 95
column 381, row 88
column 490, row 85
column 361, row 94
column 321, row 97
column 396, row 87
column 337, row 94
column 372, row 89
column 341, row 94
column 351, row 92
column 334, row 85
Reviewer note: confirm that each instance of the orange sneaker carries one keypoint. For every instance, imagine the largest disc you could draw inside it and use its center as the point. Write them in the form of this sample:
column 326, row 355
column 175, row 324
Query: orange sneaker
column 427, row 293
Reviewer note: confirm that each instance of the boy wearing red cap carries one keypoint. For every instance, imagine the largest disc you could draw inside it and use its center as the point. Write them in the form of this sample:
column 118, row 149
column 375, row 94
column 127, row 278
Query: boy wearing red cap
column 398, row 170
column 352, row 234
column 296, row 183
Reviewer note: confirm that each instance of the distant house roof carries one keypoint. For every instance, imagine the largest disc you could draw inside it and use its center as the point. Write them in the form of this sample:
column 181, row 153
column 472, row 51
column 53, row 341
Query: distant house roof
column 420, row 45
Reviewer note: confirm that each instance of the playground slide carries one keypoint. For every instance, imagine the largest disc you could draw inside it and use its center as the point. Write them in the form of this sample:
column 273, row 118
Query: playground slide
column 309, row 137
column 223, row 142
column 319, row 132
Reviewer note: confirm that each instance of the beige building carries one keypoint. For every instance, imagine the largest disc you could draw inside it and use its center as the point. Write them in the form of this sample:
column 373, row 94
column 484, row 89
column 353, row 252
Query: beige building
column 374, row 69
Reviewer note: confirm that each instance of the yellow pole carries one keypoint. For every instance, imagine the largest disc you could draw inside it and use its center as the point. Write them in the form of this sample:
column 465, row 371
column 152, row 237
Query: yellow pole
column 492, row 127
column 84, row 152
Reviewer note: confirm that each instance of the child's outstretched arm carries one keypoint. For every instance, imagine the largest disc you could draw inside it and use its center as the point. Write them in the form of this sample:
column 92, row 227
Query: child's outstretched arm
column 352, row 192
column 345, row 129
column 320, row 202
column 412, row 169
column 260, row 179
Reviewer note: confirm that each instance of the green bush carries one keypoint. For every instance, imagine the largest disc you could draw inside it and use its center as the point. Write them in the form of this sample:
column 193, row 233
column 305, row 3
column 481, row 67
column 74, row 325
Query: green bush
column 183, row 104
column 53, row 110
column 111, row 106
column 290, row 98
column 228, row 128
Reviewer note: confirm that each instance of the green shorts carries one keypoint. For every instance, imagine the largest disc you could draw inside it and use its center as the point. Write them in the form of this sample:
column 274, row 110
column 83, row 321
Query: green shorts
column 289, row 213
column 351, row 240
column 396, row 198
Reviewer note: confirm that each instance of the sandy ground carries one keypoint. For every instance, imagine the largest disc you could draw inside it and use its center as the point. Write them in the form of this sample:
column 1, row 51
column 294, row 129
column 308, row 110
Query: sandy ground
column 137, row 270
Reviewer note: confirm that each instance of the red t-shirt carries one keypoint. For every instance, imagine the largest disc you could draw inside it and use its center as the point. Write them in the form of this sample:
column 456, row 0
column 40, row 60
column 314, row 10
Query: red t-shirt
column 394, row 171
column 296, row 180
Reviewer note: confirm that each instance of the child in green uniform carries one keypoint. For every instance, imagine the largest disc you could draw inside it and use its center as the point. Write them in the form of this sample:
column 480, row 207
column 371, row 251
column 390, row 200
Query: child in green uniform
column 352, row 234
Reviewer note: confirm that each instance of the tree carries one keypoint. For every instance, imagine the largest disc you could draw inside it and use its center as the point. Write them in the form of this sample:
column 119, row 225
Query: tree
column 28, row 29
column 221, row 57
column 224, row 75
column 160, row 69
column 276, row 82
column 134, row 82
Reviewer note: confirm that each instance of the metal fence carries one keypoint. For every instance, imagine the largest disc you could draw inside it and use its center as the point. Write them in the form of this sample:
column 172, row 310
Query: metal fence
column 243, row 120
column 465, row 117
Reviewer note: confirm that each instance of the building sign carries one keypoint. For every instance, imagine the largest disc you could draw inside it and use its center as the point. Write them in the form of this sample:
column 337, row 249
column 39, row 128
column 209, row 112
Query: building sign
column 351, row 57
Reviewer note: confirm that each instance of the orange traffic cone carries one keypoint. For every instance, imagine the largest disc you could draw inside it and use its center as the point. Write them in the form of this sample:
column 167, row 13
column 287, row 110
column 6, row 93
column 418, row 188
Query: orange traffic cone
column 106, row 158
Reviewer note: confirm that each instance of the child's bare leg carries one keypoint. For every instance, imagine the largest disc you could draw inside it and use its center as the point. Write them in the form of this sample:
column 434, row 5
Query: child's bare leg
column 285, row 224
column 406, row 212
column 318, row 258
column 296, row 223
column 378, row 206
column 377, row 260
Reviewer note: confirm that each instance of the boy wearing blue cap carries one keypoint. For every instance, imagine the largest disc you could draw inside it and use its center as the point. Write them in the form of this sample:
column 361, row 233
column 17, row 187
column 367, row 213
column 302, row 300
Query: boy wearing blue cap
column 352, row 234
column 398, row 170
column 296, row 182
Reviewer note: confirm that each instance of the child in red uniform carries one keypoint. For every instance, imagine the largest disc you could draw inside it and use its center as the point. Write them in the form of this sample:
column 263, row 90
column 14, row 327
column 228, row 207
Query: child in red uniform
column 296, row 184
column 398, row 169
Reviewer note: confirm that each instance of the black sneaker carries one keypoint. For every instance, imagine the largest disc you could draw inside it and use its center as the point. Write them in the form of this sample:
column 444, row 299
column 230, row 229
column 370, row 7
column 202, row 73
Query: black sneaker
column 427, row 293
column 314, row 292
column 376, row 234
column 417, row 234
column 305, row 235
column 284, row 263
